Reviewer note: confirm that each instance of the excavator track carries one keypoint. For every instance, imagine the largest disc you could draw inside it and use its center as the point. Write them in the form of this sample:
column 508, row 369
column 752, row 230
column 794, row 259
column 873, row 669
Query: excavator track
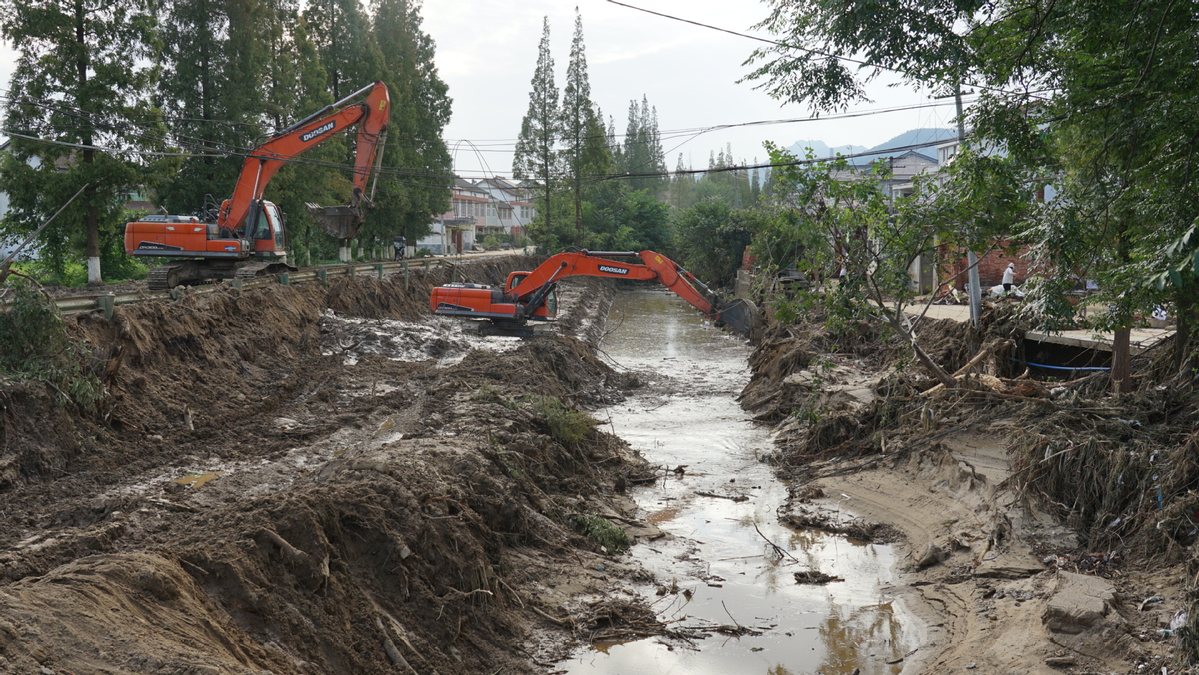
column 164, row 277
column 250, row 270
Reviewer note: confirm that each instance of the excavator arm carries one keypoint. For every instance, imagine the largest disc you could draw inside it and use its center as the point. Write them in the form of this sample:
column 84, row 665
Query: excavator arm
column 370, row 115
column 654, row 267
column 526, row 294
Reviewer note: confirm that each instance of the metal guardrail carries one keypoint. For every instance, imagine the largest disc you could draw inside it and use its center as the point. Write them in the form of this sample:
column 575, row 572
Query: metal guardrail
column 110, row 301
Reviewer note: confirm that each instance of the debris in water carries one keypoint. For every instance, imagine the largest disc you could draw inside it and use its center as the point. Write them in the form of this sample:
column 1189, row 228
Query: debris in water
column 814, row 577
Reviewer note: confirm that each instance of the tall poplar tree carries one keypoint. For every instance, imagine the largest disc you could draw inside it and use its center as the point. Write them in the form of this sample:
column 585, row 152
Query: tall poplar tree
column 213, row 58
column 578, row 121
column 296, row 88
column 407, row 201
column 341, row 32
column 643, row 152
column 81, row 84
column 536, row 158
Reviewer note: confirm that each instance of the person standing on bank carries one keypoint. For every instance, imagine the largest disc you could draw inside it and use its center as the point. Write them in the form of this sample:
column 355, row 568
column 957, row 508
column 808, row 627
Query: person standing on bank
column 399, row 244
column 1009, row 277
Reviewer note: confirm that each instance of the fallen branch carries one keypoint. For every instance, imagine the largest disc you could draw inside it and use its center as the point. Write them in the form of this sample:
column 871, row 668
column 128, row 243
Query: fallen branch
column 982, row 354
column 568, row 621
column 738, row 498
column 777, row 549
column 393, row 654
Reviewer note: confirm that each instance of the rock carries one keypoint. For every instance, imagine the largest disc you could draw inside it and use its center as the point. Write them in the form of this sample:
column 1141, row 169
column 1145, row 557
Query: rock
column 932, row 555
column 1059, row 661
column 1078, row 602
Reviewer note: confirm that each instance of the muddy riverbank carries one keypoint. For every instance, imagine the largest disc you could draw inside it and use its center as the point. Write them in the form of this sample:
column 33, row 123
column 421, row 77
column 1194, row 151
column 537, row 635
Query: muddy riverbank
column 309, row 480
column 1003, row 577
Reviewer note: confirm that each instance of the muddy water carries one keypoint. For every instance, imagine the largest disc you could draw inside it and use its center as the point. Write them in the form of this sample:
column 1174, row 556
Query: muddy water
column 717, row 556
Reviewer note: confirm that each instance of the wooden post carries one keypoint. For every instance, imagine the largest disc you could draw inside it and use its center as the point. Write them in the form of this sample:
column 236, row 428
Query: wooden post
column 324, row 277
column 379, row 269
column 285, row 279
column 405, row 276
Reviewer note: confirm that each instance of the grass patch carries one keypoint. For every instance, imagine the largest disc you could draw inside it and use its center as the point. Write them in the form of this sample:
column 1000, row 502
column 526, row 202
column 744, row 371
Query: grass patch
column 488, row 394
column 603, row 532
column 566, row 425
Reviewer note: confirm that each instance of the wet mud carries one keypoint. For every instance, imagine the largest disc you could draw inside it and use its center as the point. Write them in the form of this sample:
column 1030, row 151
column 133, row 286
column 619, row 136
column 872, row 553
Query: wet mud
column 305, row 480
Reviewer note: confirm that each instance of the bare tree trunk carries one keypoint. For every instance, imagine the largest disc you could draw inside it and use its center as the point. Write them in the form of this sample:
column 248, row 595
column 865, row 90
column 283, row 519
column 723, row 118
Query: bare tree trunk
column 1184, row 308
column 1121, row 374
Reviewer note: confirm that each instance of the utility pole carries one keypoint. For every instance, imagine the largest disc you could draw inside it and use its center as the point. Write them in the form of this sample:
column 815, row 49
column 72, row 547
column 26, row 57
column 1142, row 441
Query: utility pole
column 976, row 298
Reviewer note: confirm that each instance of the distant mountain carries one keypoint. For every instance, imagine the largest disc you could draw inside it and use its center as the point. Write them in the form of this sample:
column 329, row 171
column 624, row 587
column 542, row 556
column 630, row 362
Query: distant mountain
column 926, row 141
column 822, row 150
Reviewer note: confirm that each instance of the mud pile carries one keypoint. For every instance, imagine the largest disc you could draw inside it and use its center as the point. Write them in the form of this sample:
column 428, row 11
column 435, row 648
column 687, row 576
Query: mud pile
column 265, row 489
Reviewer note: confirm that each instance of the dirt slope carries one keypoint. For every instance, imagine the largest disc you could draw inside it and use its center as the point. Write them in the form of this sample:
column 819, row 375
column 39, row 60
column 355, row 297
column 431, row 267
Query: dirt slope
column 998, row 580
column 303, row 480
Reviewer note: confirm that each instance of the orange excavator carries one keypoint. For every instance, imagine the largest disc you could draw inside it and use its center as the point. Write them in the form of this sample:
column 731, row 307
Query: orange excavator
column 247, row 238
column 529, row 296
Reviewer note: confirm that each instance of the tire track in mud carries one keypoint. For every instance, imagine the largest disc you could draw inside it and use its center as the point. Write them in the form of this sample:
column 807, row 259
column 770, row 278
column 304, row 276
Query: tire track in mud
column 371, row 510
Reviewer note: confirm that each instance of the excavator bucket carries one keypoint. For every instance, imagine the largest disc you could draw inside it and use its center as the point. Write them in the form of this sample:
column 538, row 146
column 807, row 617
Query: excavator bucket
column 340, row 222
column 741, row 315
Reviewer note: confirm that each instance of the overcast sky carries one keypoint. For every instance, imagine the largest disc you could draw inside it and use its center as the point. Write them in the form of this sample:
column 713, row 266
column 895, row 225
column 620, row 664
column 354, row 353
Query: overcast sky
column 487, row 51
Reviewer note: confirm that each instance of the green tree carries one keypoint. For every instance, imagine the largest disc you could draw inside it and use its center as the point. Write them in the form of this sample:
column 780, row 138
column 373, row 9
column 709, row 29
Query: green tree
column 642, row 157
column 578, row 123
column 682, row 186
column 830, row 221
column 710, row 239
column 420, row 108
column 1095, row 96
column 296, row 89
column 536, row 159
column 81, row 85
column 341, row 32
column 211, row 65
column 627, row 220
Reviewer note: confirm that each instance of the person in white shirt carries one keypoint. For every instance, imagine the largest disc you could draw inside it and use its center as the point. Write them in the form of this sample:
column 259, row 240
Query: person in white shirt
column 1009, row 277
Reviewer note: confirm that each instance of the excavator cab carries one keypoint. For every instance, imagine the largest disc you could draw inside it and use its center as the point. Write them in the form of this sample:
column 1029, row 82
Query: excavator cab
column 264, row 225
column 551, row 299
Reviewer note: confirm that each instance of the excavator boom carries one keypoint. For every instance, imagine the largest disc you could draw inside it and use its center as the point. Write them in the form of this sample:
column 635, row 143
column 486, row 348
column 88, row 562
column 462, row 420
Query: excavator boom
column 370, row 115
column 528, row 296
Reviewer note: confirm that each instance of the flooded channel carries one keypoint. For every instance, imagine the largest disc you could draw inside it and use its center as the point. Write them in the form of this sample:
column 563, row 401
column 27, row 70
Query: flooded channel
column 716, row 564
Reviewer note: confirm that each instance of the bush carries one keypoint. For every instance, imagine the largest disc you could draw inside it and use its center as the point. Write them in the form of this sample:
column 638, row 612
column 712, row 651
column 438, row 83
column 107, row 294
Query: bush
column 34, row 345
column 602, row 532
column 566, row 425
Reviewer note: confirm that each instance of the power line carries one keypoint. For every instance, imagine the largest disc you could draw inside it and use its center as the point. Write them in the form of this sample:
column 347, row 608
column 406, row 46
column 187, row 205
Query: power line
column 817, row 52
